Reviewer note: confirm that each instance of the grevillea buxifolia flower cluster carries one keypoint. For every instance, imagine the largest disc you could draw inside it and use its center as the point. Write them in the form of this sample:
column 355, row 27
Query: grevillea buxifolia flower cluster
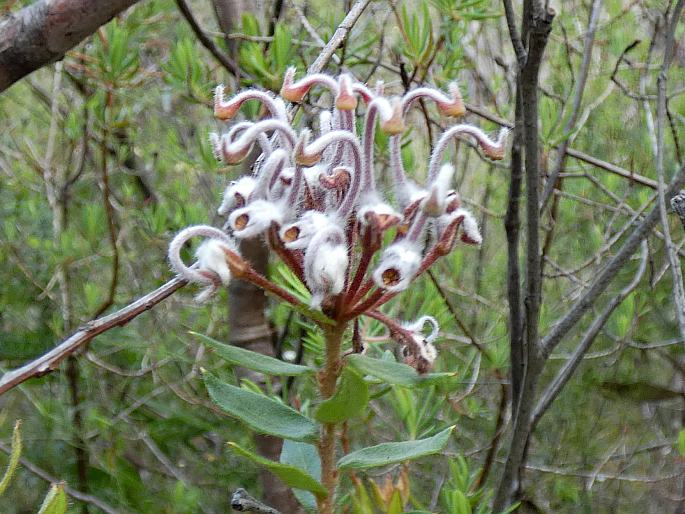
column 313, row 197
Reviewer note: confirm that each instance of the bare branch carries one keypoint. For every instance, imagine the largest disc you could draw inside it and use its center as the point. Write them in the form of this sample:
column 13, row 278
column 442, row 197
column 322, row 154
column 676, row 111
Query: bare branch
column 45, row 30
column 338, row 36
column 85, row 334
column 514, row 33
column 604, row 277
column 228, row 63
column 550, row 394
column 575, row 106
column 671, row 252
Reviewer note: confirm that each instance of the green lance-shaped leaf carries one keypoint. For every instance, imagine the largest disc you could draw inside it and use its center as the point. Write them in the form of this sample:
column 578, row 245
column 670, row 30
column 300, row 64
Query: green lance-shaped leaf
column 681, row 442
column 261, row 413
column 640, row 391
column 14, row 457
column 349, row 399
column 56, row 501
column 290, row 475
column 391, row 453
column 253, row 360
column 394, row 373
column 303, row 456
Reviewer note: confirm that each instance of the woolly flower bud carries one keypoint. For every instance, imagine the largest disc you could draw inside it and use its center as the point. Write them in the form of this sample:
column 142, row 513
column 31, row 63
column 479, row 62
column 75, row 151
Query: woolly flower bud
column 212, row 268
column 325, row 265
column 435, row 203
column 470, row 233
column 298, row 235
column 424, row 360
column 345, row 99
column 461, row 221
column 211, row 256
column 313, row 174
column 393, row 124
column 295, row 91
column 236, row 195
column 255, row 218
column 398, row 266
column 383, row 214
column 455, row 107
column 417, row 327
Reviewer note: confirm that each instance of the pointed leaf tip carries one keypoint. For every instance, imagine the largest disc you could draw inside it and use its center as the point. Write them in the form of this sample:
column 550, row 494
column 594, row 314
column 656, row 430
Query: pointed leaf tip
column 390, row 453
column 261, row 413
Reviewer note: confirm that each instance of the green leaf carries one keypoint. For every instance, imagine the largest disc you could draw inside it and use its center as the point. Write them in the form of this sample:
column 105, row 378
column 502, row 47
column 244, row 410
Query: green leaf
column 395, row 506
column 261, row 413
column 350, row 398
column 303, row 456
column 55, row 502
column 253, row 360
column 460, row 503
column 290, row 475
column 14, row 457
column 390, row 453
column 641, row 391
column 681, row 444
column 394, row 373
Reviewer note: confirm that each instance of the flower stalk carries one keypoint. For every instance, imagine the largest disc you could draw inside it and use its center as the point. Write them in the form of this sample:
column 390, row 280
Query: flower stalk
column 314, row 200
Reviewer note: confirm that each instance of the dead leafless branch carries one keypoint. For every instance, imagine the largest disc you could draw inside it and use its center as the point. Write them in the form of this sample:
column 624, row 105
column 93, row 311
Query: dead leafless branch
column 85, row 334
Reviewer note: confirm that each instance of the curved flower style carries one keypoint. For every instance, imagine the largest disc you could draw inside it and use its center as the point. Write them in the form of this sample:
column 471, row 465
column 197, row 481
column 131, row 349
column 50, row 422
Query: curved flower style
column 313, row 197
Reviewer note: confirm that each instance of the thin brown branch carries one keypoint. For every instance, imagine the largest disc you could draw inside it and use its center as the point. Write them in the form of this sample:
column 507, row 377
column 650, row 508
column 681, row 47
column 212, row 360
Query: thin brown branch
column 605, row 276
column 575, row 105
column 338, row 36
column 571, row 152
column 671, row 252
column 552, row 391
column 49, row 362
column 229, row 64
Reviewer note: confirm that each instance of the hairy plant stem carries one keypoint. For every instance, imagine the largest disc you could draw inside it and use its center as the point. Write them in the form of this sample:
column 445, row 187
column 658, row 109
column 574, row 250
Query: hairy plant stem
column 327, row 383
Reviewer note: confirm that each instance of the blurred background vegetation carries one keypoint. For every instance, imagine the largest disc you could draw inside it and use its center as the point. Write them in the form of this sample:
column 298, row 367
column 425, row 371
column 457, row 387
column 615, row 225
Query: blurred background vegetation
column 105, row 156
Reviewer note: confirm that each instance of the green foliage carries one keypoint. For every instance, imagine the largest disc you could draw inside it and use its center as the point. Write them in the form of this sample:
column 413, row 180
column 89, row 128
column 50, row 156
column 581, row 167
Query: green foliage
column 263, row 414
column 395, row 373
column 56, row 501
column 137, row 96
column 292, row 476
column 303, row 456
column 15, row 453
column 390, row 453
column 350, row 398
column 252, row 360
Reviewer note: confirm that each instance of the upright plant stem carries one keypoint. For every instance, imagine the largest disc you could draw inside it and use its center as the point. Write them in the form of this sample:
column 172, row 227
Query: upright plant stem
column 327, row 381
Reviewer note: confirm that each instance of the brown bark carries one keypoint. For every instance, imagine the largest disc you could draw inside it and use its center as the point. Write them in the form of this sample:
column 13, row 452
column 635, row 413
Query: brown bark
column 42, row 32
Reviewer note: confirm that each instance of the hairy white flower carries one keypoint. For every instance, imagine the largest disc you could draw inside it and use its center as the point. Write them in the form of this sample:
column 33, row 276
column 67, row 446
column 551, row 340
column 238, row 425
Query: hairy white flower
column 312, row 175
column 469, row 228
column 435, row 203
column 255, row 218
column 212, row 268
column 417, row 327
column 236, row 194
column 373, row 207
column 298, row 235
column 325, row 264
column 398, row 266
column 211, row 257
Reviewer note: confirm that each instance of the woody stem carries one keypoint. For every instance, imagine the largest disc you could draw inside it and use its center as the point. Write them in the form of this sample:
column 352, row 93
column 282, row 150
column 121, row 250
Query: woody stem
column 327, row 383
